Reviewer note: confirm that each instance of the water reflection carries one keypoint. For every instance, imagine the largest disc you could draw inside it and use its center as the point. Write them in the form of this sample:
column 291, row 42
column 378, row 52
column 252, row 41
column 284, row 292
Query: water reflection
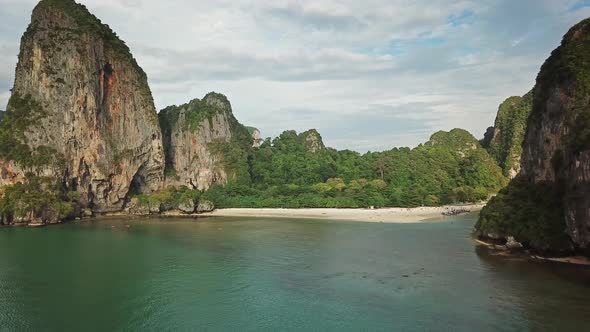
column 551, row 296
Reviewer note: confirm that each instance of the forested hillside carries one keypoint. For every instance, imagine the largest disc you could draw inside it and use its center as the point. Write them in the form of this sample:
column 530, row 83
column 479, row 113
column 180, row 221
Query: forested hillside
column 297, row 170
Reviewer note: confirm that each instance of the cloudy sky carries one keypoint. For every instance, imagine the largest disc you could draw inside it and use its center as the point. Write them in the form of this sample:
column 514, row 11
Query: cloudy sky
column 369, row 75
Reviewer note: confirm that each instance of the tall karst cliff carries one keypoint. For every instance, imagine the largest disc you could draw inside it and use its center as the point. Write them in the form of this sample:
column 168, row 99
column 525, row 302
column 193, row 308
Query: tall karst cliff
column 205, row 144
column 504, row 140
column 547, row 206
column 81, row 110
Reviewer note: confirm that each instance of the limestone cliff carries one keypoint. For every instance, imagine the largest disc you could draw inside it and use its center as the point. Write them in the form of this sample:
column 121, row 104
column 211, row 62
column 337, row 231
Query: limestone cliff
column 504, row 140
column 81, row 110
column 548, row 205
column 205, row 144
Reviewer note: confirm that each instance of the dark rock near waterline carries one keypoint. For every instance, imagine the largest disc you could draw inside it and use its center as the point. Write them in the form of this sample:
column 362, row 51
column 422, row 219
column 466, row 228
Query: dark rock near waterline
column 455, row 211
column 134, row 207
column 187, row 206
column 205, row 206
column 87, row 213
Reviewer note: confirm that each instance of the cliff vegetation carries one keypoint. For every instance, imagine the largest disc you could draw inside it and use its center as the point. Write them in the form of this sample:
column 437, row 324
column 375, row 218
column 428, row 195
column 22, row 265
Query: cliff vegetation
column 289, row 171
column 547, row 206
column 507, row 135
column 37, row 200
column 24, row 113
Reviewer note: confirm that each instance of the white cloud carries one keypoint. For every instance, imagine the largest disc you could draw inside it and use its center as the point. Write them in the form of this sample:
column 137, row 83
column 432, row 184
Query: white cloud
column 369, row 75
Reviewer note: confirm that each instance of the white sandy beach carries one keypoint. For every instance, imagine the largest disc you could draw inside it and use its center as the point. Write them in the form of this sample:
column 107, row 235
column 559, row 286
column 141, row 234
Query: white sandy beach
column 386, row 215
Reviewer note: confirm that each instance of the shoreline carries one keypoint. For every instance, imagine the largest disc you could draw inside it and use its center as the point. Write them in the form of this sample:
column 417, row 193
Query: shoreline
column 502, row 250
column 384, row 215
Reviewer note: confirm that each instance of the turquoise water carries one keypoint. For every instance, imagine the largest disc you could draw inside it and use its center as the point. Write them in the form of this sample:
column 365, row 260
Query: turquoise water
column 278, row 275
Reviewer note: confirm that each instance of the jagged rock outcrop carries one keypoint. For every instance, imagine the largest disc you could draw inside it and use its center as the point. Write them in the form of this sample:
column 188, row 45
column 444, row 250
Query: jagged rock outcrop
column 205, row 206
column 504, row 140
column 81, row 110
column 205, row 144
column 256, row 137
column 547, row 206
column 313, row 140
column 187, row 206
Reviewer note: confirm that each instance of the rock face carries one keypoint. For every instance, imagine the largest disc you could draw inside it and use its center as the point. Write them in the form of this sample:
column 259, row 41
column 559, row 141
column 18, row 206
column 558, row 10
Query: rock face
column 256, row 137
column 547, row 206
column 134, row 207
column 90, row 116
column 313, row 140
column 504, row 140
column 205, row 206
column 205, row 144
column 187, row 206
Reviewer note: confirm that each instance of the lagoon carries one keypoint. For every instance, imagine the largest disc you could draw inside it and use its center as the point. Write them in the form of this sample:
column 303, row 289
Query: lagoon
column 253, row 274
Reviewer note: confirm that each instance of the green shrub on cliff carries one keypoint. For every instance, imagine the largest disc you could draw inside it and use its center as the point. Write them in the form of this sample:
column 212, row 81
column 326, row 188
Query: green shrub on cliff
column 23, row 112
column 531, row 213
column 233, row 158
column 88, row 23
column 569, row 64
column 36, row 198
column 170, row 198
column 505, row 145
column 196, row 111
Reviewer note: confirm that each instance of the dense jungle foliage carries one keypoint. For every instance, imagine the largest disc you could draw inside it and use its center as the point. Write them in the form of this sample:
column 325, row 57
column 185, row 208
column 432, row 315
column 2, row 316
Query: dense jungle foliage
column 296, row 170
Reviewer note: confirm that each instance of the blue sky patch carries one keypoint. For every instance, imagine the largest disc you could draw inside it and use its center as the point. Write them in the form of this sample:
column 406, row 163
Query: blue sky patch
column 460, row 19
